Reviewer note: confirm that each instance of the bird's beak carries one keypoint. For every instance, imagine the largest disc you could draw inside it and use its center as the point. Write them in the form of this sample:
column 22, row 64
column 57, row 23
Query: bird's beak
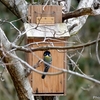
column 47, row 56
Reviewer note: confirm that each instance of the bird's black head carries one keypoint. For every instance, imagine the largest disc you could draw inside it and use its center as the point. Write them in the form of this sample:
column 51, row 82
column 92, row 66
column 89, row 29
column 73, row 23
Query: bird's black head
column 47, row 53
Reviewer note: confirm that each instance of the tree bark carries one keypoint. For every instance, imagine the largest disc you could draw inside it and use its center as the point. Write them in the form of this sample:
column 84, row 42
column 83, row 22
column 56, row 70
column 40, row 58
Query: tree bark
column 16, row 70
column 16, row 80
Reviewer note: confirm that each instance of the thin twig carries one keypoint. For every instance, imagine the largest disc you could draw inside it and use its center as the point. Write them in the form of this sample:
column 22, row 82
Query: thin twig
column 37, row 64
column 76, row 66
column 1, row 74
column 21, row 48
column 56, row 73
column 97, row 53
column 45, row 4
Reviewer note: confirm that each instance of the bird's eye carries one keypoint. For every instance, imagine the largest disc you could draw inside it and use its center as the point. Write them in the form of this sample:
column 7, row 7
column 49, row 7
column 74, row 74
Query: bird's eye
column 44, row 54
column 49, row 54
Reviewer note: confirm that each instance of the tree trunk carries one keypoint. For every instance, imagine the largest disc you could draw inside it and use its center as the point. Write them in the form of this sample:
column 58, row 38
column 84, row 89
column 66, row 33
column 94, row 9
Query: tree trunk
column 16, row 80
column 19, row 8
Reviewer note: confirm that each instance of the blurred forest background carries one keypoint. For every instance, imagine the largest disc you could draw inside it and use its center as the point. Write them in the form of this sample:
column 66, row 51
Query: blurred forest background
column 77, row 88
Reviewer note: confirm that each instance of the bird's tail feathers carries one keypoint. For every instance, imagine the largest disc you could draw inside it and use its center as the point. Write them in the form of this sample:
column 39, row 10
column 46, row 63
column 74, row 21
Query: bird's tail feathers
column 45, row 70
column 43, row 76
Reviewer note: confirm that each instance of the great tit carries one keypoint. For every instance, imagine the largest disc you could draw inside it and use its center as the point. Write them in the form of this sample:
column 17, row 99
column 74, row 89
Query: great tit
column 48, row 59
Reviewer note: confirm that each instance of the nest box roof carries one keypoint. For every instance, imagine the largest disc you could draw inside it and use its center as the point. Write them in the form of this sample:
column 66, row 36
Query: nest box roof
column 57, row 30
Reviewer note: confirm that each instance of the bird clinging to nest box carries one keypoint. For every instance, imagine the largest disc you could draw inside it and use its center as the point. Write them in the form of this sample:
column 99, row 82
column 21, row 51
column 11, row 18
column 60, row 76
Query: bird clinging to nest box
column 45, row 32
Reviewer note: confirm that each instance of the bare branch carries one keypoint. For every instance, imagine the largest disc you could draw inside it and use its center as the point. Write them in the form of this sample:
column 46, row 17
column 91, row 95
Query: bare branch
column 68, row 3
column 16, row 70
column 1, row 74
column 22, row 48
column 11, row 23
column 83, row 76
column 79, row 12
column 3, row 38
column 56, row 73
column 93, row 10
column 18, row 7
column 79, row 21
column 97, row 52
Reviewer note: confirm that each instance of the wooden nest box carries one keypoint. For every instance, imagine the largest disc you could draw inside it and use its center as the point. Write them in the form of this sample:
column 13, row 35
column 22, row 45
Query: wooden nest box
column 45, row 29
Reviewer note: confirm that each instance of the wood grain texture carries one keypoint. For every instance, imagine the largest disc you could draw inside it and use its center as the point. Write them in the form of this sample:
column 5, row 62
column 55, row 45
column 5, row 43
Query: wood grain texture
column 51, row 84
column 35, row 11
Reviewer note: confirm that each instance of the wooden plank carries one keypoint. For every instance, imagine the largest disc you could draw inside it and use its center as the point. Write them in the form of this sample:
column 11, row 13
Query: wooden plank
column 45, row 20
column 51, row 84
column 47, row 11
